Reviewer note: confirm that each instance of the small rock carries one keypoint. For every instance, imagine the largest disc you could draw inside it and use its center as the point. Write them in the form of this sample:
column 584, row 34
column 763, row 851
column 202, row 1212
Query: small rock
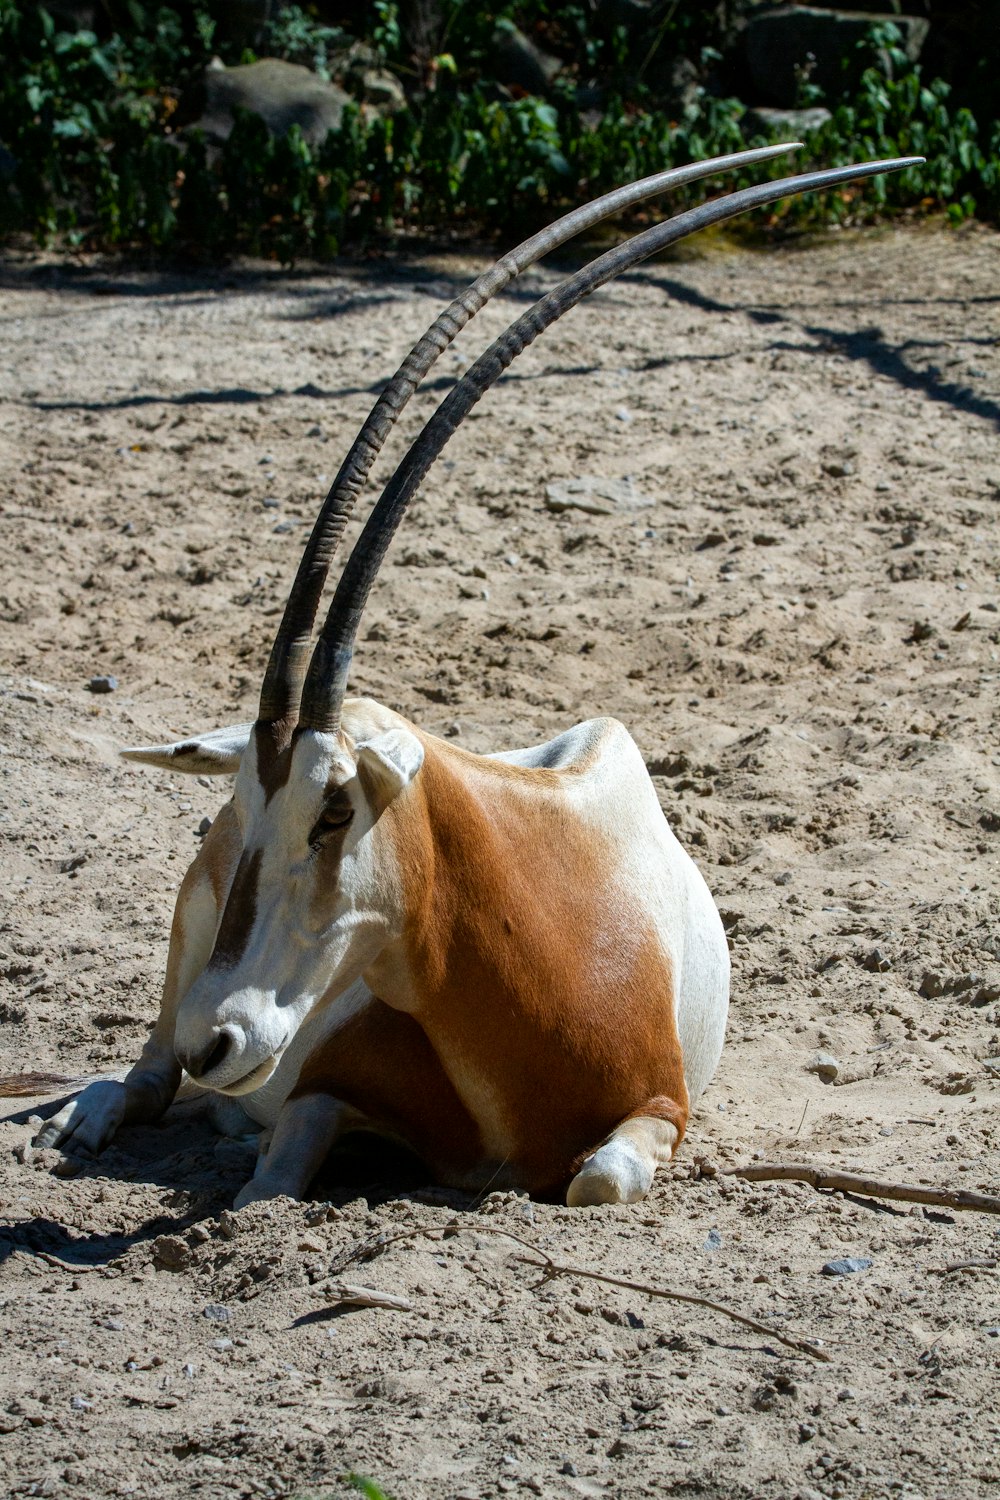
column 74, row 862
column 806, row 1432
column 315, row 431
column 920, row 630
column 80, row 1403
column 216, row 1313
column 171, row 1253
column 785, row 878
column 847, row 1266
column 712, row 539
column 310, row 1245
column 713, row 1240
column 825, row 1065
column 569, row 1468
column 619, row 1448
column 595, row 496
column 103, row 684
column 839, row 468
column 932, row 985
column 228, row 1224
column 114, row 1324
column 204, row 826
column 876, row 962
column 223, row 1345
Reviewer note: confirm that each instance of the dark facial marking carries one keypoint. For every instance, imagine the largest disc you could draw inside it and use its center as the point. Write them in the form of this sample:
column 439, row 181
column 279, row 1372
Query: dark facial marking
column 274, row 755
column 240, row 913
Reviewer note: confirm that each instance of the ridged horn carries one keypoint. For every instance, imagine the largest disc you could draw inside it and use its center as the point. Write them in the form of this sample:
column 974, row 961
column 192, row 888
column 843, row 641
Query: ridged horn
column 279, row 695
column 326, row 680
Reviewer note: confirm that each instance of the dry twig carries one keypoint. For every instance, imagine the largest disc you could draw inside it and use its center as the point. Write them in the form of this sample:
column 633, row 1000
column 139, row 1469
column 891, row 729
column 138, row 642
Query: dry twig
column 365, row 1296
column 551, row 1269
column 870, row 1187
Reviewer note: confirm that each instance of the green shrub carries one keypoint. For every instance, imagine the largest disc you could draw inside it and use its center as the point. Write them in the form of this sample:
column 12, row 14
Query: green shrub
column 93, row 158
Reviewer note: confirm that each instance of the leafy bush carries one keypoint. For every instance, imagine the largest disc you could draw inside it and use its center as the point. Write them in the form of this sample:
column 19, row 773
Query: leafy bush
column 92, row 155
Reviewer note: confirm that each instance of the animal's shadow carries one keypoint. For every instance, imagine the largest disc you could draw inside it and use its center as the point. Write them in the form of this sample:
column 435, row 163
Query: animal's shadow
column 202, row 1171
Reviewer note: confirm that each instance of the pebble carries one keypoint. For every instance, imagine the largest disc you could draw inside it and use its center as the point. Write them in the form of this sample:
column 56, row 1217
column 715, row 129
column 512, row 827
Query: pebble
column 223, row 1345
column 204, row 826
column 115, row 1324
column 171, row 1253
column 713, row 1240
column 825, row 1065
column 847, row 1266
column 595, row 496
column 103, row 684
column 80, row 1403
column 569, row 1467
column 216, row 1313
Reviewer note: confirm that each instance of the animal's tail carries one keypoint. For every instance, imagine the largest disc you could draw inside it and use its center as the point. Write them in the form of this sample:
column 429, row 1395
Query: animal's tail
column 35, row 1085
column 44, row 1085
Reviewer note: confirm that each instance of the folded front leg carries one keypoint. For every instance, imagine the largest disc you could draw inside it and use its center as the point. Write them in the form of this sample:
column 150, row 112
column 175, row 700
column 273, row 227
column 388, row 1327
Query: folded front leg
column 307, row 1127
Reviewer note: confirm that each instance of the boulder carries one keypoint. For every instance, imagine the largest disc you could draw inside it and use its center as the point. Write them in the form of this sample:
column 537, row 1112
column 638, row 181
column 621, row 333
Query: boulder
column 786, row 124
column 519, row 64
column 283, row 94
column 794, row 41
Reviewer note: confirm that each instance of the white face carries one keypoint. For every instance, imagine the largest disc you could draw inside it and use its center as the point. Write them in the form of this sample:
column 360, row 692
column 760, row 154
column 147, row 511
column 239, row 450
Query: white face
column 314, row 899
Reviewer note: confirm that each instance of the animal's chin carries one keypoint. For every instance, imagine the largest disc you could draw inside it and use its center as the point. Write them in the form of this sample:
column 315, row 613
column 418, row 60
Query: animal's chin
column 253, row 1080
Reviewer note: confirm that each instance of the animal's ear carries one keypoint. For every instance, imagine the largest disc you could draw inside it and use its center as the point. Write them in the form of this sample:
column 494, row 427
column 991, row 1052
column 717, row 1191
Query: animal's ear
column 217, row 753
column 389, row 761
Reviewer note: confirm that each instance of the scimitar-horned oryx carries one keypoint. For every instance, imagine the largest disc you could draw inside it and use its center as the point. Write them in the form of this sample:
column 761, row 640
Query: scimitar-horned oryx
column 506, row 962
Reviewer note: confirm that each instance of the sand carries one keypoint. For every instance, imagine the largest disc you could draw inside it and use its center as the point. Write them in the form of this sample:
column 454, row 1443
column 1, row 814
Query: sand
column 801, row 631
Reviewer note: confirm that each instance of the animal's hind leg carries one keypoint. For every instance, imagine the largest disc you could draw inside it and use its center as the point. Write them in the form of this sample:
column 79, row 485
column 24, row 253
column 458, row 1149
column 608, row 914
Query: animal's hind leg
column 621, row 1170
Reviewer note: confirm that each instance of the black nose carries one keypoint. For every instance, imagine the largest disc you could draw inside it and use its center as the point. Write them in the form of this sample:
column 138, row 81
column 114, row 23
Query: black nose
column 197, row 1064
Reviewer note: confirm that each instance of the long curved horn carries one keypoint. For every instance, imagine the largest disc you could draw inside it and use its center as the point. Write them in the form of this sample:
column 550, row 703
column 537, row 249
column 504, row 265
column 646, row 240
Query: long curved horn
column 286, row 665
column 326, row 681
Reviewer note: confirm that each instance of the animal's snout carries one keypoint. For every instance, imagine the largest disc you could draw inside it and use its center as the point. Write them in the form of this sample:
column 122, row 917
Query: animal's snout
column 197, row 1063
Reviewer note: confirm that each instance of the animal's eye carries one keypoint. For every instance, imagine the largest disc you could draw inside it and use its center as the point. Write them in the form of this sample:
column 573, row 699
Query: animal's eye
column 336, row 815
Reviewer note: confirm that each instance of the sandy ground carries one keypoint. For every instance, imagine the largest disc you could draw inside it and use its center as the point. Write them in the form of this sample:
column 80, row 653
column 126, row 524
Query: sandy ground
column 802, row 632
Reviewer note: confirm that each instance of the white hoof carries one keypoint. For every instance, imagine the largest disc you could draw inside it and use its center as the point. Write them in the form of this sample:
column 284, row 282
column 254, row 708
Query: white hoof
column 616, row 1173
column 89, row 1121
